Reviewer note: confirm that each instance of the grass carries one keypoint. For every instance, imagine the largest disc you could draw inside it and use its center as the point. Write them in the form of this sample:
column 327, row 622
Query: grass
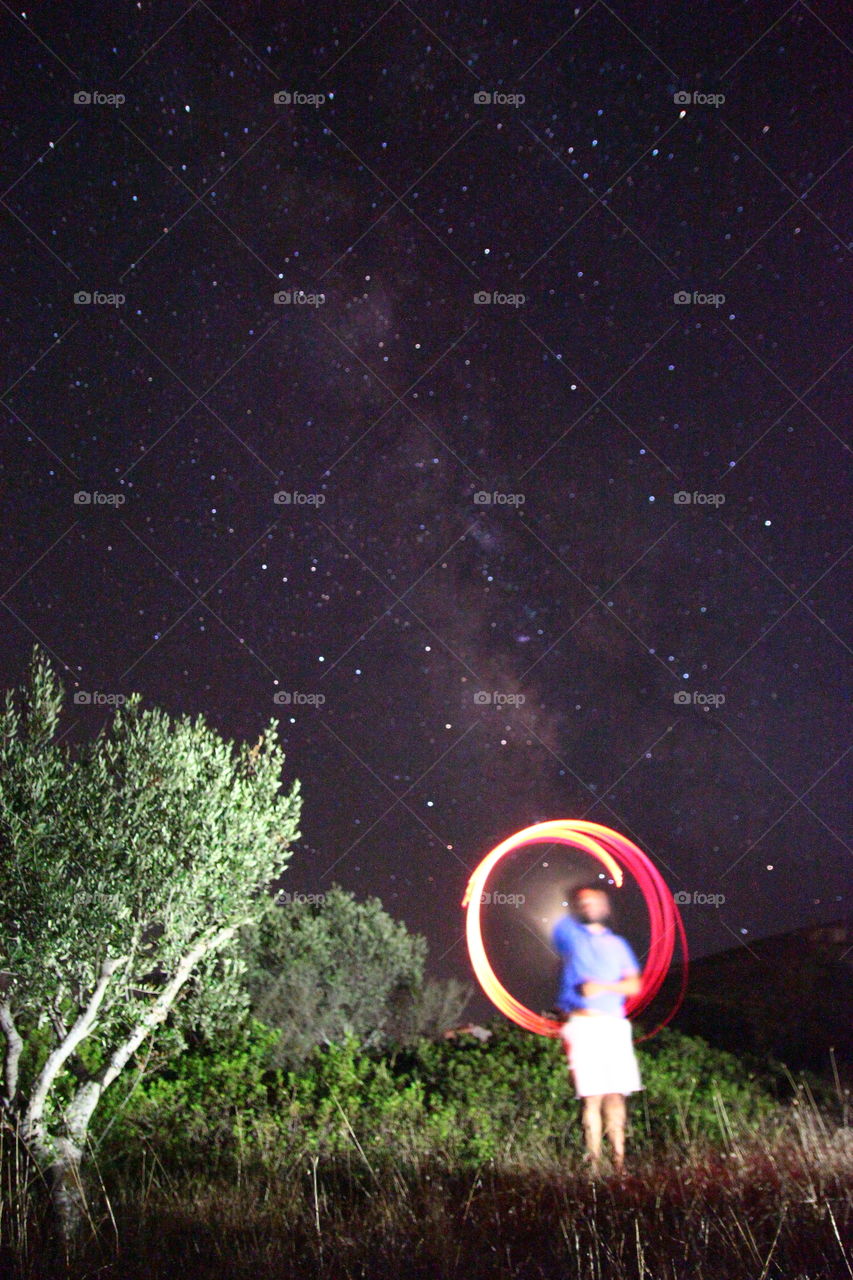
column 773, row 1204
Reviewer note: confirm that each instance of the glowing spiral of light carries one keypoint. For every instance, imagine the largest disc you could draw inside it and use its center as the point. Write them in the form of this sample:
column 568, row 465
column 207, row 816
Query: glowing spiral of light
column 605, row 845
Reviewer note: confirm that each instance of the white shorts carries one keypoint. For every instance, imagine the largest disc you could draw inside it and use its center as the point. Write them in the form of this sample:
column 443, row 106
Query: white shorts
column 600, row 1050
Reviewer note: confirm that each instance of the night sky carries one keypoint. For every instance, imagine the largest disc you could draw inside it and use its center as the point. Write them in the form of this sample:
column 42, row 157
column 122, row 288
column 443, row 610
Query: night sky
column 457, row 669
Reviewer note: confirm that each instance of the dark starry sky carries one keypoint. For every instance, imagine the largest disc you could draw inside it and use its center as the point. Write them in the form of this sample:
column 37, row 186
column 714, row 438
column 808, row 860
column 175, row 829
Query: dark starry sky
column 457, row 669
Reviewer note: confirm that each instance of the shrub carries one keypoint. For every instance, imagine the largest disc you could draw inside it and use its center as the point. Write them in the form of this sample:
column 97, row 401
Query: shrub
column 463, row 1100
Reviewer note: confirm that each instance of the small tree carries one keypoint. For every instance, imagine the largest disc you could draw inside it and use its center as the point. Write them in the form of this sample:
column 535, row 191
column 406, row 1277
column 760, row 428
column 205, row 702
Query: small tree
column 128, row 867
column 319, row 970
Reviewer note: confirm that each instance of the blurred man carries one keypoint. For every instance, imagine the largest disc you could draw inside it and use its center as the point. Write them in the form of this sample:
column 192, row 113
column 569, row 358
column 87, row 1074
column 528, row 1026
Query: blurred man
column 599, row 971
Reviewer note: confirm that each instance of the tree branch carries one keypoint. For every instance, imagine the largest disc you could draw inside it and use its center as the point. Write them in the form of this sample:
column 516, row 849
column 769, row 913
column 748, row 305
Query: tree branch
column 56, row 1018
column 160, row 1008
column 63, row 1051
column 79, row 1110
column 14, row 1045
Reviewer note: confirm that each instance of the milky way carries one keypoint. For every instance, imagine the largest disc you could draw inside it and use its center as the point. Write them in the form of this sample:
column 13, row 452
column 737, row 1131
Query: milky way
column 465, row 391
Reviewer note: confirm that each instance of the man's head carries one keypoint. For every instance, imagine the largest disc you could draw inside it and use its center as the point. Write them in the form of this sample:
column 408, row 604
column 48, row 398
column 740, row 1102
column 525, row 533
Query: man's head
column 590, row 903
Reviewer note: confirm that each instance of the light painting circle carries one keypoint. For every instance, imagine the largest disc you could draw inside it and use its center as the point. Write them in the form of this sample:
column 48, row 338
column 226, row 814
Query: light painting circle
column 610, row 848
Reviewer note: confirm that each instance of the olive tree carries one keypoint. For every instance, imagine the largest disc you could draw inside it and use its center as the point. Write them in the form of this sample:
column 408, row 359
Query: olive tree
column 324, row 965
column 128, row 865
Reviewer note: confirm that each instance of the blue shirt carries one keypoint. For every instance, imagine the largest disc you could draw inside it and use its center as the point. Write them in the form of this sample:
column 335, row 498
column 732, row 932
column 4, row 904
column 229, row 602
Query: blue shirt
column 590, row 956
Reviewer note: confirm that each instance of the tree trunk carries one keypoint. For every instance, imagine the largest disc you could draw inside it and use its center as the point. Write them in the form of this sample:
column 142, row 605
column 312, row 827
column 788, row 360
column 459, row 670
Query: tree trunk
column 60, row 1155
column 66, row 1188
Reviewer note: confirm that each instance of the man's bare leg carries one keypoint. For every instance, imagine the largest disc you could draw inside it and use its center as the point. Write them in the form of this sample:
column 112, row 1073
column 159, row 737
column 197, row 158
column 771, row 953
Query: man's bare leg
column 592, row 1128
column 613, row 1107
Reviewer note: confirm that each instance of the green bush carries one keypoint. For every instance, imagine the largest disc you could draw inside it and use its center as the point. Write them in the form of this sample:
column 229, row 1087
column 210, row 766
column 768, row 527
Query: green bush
column 693, row 1090
column 509, row 1098
column 198, row 1097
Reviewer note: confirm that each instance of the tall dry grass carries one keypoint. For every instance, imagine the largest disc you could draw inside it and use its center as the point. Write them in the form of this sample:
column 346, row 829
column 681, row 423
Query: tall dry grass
column 771, row 1205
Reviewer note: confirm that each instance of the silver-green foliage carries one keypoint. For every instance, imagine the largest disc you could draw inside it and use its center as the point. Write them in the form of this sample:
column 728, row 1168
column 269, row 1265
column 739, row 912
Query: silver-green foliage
column 320, row 970
column 127, row 868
